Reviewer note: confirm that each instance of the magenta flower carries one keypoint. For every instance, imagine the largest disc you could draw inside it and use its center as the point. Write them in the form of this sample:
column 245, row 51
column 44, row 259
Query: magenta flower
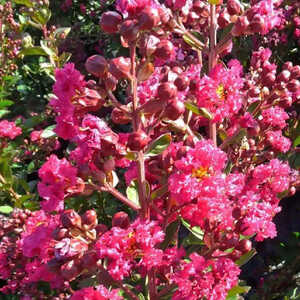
column 133, row 247
column 58, row 181
column 209, row 279
column 196, row 172
column 275, row 116
column 220, row 92
column 100, row 293
column 9, row 129
column 278, row 141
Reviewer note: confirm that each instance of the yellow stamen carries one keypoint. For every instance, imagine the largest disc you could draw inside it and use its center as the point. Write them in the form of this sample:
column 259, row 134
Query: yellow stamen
column 200, row 172
column 221, row 91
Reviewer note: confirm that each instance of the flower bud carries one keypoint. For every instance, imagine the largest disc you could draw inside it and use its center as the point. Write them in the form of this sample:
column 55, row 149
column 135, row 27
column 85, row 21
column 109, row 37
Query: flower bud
column 288, row 65
column 138, row 140
column 293, row 86
column 236, row 213
column 109, row 165
column 244, row 246
column 284, row 76
column 60, row 233
column 223, row 19
column 241, row 26
column 269, row 79
column 129, row 30
column 89, row 260
column 148, row 18
column 69, row 270
column 121, row 219
column 110, row 83
column 89, row 218
column 295, row 72
column 233, row 7
column 120, row 67
column 254, row 92
column 96, row 65
column 164, row 50
column 174, row 109
column 110, row 21
column 182, row 82
column 257, row 24
column 119, row 117
column 166, row 91
column 70, row 218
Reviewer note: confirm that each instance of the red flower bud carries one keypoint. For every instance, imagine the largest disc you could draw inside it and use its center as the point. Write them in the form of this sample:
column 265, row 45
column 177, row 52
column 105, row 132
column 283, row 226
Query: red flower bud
column 110, row 83
column 121, row 219
column 90, row 218
column 293, row 85
column 295, row 72
column 244, row 246
column 120, row 67
column 174, row 109
column 224, row 19
column 166, row 91
column 129, row 30
column 96, row 65
column 110, row 21
column 164, row 49
column 288, row 65
column 138, row 140
column 148, row 18
column 119, row 117
column 284, row 76
column 70, row 218
column 109, row 165
column 257, row 24
column 182, row 82
column 69, row 270
column 233, row 7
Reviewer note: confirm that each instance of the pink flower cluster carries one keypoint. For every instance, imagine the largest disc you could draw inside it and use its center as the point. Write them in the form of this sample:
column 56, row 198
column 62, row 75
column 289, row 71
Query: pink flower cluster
column 9, row 130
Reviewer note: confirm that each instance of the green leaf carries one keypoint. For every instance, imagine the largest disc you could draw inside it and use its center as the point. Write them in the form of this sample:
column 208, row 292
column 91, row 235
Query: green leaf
column 295, row 143
column 159, row 192
column 225, row 31
column 27, row 3
column 33, row 51
column 6, row 209
column 191, row 43
column 245, row 258
column 48, row 50
column 195, row 230
column 236, row 290
column 42, row 15
column 62, row 30
column 170, row 232
column 159, row 145
column 3, row 112
column 5, row 103
column 198, row 110
column 252, row 107
column 48, row 132
column 132, row 192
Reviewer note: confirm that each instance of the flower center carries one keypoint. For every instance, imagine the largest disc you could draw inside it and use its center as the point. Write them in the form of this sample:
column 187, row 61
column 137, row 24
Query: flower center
column 221, row 91
column 200, row 173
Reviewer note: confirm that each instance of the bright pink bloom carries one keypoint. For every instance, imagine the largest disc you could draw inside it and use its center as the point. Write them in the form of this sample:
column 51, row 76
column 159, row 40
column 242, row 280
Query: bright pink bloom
column 209, row 279
column 220, row 93
column 132, row 247
column 275, row 116
column 278, row 141
column 257, row 216
column 37, row 235
column 132, row 7
column 196, row 172
column 58, row 181
column 100, row 293
column 9, row 129
column 68, row 82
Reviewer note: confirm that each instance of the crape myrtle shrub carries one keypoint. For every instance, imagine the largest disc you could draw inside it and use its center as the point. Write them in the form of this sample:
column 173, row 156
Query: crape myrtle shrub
column 166, row 146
